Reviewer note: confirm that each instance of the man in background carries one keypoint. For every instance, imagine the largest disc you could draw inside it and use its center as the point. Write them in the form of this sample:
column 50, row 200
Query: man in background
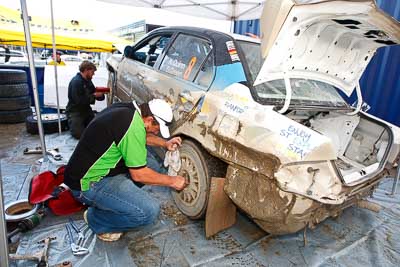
column 81, row 94
column 58, row 61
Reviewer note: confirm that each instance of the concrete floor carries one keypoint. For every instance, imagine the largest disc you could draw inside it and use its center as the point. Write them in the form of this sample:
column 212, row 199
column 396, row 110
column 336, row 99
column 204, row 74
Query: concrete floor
column 357, row 238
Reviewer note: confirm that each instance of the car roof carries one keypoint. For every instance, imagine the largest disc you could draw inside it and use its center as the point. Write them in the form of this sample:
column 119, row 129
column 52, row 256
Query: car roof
column 205, row 32
column 188, row 29
column 221, row 41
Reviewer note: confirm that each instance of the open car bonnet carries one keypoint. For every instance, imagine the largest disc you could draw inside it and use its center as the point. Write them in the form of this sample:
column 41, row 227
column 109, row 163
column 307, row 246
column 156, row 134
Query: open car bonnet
column 325, row 40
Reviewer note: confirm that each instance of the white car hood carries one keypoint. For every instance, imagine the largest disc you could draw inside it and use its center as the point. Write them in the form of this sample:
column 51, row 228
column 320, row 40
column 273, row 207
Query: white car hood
column 325, row 40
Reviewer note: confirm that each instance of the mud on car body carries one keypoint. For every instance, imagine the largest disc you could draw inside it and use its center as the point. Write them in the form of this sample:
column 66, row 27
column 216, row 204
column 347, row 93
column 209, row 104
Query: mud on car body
column 268, row 115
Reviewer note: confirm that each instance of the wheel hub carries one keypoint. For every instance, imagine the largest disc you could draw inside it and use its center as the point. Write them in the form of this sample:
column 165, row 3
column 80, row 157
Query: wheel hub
column 190, row 194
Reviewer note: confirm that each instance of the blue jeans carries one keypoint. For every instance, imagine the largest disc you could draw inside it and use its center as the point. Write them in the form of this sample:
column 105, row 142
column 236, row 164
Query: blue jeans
column 117, row 204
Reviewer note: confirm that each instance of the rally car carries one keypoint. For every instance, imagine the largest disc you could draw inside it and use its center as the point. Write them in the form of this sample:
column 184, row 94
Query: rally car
column 271, row 115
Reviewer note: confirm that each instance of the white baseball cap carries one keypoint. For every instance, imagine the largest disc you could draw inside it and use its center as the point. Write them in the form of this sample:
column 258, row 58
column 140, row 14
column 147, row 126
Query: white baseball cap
column 163, row 113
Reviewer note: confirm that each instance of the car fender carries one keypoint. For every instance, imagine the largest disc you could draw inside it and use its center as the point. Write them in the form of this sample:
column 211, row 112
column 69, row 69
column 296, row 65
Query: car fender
column 113, row 62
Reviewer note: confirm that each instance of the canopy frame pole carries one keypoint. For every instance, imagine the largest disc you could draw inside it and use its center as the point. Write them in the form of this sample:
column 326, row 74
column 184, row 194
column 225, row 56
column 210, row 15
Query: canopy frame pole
column 55, row 66
column 3, row 230
column 32, row 70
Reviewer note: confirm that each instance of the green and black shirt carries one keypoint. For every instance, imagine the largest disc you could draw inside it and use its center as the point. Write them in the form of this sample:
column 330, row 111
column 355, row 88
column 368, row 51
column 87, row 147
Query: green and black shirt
column 113, row 141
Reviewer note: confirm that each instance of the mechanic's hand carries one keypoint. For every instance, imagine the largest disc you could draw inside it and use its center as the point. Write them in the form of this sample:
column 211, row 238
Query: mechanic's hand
column 98, row 94
column 173, row 143
column 179, row 183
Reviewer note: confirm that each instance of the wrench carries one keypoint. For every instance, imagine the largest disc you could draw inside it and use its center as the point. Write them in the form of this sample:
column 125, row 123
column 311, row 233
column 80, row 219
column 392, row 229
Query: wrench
column 81, row 237
column 76, row 249
column 38, row 150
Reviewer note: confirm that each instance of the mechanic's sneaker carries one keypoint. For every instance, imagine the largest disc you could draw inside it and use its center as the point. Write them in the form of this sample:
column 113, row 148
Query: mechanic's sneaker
column 109, row 237
column 85, row 217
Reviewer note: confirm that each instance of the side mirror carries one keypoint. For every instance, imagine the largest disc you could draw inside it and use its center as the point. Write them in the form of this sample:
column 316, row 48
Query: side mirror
column 128, row 51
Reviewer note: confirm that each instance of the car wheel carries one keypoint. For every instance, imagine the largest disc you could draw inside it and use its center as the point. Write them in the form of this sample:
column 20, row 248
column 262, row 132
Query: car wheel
column 197, row 166
column 49, row 122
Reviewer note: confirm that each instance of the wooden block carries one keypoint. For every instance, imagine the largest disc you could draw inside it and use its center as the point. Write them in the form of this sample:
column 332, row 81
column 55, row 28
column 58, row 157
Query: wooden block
column 221, row 211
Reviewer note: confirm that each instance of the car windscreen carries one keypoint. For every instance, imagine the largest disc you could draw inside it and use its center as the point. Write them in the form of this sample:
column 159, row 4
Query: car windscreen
column 305, row 92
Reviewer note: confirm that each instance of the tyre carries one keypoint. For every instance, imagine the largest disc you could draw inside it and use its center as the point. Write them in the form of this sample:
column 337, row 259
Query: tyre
column 49, row 122
column 15, row 103
column 13, row 90
column 8, row 76
column 14, row 116
column 197, row 167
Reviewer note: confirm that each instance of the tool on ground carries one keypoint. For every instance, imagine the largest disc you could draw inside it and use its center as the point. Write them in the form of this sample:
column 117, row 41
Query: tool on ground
column 40, row 257
column 76, row 249
column 221, row 211
column 55, row 153
column 81, row 236
column 27, row 224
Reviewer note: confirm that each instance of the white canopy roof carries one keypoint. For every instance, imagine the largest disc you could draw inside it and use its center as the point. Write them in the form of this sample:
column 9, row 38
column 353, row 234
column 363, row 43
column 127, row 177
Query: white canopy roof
column 212, row 9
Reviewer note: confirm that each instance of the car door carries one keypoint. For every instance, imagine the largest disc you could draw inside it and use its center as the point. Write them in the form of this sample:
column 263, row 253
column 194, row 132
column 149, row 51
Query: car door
column 184, row 74
column 137, row 68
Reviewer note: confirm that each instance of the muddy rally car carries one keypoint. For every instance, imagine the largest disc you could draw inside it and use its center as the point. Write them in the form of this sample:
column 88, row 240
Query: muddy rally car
column 269, row 115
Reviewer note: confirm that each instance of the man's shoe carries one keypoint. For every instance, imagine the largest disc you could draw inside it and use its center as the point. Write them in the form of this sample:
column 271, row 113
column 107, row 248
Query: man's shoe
column 109, row 237
column 85, row 217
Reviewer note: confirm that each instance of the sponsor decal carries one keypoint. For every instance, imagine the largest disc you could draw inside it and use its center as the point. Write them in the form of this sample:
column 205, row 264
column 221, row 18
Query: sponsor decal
column 232, row 51
column 234, row 107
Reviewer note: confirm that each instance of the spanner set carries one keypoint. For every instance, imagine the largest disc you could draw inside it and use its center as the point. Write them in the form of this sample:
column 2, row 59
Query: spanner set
column 77, row 247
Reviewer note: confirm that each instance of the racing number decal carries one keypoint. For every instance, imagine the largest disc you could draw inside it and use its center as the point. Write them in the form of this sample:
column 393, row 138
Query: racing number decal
column 188, row 70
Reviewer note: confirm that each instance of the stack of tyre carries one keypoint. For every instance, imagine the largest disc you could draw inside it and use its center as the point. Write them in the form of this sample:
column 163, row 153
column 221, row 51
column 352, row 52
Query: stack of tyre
column 15, row 101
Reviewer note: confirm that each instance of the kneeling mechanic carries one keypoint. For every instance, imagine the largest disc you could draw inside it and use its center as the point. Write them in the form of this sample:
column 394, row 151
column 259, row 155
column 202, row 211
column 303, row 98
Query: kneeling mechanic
column 111, row 161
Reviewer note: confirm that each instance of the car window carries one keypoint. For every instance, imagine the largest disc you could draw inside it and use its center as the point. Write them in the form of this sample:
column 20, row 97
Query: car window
column 206, row 73
column 304, row 91
column 149, row 51
column 252, row 53
column 185, row 56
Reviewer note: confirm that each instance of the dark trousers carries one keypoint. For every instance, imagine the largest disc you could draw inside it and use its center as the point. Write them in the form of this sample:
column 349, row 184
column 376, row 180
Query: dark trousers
column 78, row 121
